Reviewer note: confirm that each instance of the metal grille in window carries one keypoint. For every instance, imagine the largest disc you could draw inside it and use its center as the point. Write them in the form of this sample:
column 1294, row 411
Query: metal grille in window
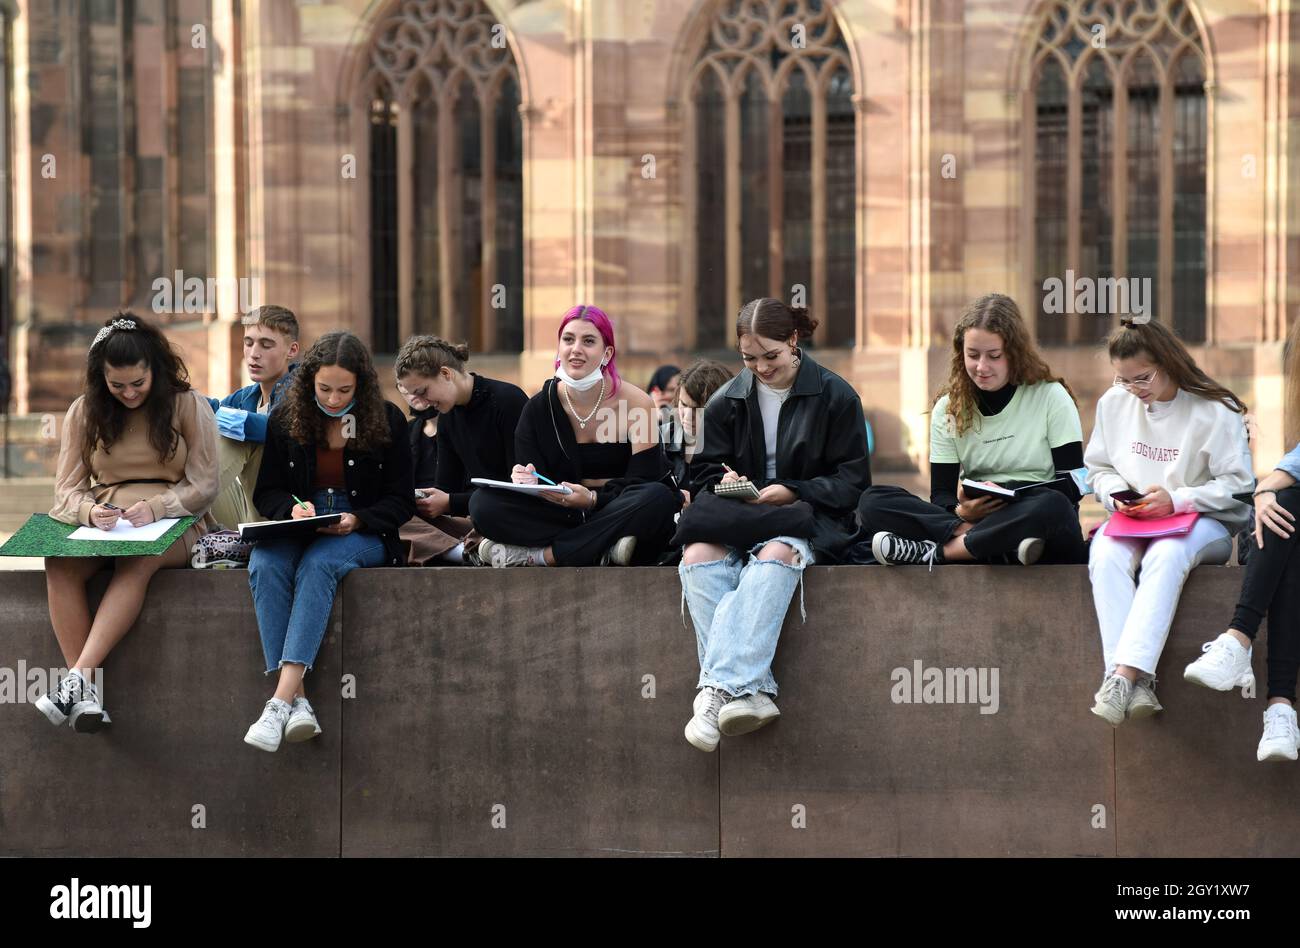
column 1119, row 176
column 383, row 225
column 446, row 203
column 769, row 149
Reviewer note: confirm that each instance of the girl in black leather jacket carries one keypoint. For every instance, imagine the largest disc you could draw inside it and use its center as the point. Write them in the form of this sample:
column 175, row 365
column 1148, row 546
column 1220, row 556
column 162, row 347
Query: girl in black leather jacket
column 793, row 430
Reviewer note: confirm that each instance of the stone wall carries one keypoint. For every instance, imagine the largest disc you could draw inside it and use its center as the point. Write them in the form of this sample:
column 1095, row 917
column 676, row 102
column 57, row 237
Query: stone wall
column 553, row 701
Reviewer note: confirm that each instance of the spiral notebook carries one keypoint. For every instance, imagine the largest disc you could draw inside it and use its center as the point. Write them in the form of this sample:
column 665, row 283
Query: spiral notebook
column 740, row 490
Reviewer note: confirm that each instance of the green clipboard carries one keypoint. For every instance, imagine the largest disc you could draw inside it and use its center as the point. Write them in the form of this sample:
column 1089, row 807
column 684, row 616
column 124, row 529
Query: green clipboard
column 42, row 535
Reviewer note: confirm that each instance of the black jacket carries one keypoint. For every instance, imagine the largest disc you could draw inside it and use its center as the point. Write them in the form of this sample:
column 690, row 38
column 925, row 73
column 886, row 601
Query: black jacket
column 821, row 447
column 478, row 440
column 380, row 487
column 424, row 450
column 546, row 440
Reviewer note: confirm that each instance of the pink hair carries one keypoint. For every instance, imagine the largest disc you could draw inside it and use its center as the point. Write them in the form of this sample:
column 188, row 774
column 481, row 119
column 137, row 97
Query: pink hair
column 596, row 316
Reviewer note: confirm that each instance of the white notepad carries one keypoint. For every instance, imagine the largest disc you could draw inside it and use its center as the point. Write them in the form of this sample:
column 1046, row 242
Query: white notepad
column 521, row 488
column 123, row 530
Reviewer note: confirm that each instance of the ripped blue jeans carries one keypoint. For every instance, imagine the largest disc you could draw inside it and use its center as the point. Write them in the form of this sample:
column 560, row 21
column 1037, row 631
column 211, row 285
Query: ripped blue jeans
column 738, row 605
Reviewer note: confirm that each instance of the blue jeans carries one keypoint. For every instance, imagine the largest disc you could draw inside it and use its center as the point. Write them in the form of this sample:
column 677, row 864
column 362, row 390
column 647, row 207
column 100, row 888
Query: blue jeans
column 293, row 584
column 738, row 608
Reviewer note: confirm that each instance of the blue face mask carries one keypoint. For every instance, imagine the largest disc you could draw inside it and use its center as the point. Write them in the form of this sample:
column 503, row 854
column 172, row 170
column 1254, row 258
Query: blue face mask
column 336, row 414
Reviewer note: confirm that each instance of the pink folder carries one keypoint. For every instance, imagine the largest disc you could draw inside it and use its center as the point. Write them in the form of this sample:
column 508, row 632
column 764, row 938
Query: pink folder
column 1175, row 525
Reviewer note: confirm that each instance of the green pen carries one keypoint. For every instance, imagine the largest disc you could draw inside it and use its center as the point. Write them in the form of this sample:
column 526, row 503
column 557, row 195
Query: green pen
column 300, row 503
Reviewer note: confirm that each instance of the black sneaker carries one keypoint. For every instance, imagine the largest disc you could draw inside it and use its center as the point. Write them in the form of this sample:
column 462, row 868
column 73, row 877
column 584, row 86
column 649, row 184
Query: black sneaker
column 892, row 550
column 74, row 702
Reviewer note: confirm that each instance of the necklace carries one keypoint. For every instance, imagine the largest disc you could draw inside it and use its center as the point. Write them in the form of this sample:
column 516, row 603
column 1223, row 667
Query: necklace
column 582, row 422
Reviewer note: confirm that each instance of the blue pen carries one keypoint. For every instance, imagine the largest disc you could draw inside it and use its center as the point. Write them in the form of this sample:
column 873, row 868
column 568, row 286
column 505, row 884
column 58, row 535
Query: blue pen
column 543, row 477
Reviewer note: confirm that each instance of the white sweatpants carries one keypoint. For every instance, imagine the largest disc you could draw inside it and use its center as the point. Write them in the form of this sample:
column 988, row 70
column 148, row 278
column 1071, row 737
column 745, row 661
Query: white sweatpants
column 1135, row 615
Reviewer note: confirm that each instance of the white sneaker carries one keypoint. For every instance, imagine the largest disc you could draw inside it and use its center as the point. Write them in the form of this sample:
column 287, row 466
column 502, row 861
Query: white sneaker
column 1030, row 551
column 1112, row 699
column 302, row 725
column 267, row 733
column 1224, row 666
column 620, row 554
column 1281, row 735
column 742, row 715
column 1142, row 702
column 702, row 730
column 502, row 555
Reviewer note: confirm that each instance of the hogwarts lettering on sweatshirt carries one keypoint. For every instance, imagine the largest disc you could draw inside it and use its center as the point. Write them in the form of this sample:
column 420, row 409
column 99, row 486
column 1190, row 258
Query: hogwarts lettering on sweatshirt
column 1152, row 453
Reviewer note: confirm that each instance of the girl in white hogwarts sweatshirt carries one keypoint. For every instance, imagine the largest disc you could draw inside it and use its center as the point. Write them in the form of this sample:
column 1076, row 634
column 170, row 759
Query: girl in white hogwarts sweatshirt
column 1169, row 432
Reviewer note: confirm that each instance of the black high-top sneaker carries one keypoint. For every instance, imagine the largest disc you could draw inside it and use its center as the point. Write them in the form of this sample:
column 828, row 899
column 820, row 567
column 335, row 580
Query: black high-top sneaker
column 889, row 549
column 74, row 702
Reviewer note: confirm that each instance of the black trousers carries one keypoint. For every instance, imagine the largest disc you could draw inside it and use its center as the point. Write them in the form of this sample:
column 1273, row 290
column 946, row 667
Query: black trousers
column 1272, row 586
column 644, row 511
column 1048, row 515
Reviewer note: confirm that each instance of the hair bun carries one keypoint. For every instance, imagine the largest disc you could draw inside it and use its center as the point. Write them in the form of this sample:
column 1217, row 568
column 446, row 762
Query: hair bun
column 803, row 323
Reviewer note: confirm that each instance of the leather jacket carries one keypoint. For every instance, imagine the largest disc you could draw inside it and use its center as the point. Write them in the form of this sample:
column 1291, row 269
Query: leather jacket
column 821, row 447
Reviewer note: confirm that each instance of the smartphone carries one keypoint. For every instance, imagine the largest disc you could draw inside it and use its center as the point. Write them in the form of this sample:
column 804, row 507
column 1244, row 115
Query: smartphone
column 1126, row 497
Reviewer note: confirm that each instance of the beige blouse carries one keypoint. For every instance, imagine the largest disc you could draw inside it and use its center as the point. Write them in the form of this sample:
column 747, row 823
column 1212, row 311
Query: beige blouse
column 185, row 484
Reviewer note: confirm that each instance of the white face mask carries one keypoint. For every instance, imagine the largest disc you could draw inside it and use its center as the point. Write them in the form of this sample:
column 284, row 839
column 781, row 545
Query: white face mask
column 589, row 381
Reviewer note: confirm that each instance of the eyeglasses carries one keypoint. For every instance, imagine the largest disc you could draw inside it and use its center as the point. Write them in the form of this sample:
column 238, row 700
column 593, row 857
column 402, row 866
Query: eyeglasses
column 1138, row 384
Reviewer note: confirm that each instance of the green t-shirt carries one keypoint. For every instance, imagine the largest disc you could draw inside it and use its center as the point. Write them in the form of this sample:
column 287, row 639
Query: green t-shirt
column 1016, row 443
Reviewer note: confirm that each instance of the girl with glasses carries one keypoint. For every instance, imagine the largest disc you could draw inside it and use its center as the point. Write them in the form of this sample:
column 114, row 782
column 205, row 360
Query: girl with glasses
column 1171, row 434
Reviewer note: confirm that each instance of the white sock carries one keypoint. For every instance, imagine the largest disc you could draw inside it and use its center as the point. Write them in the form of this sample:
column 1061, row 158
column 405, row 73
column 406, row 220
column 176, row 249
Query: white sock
column 455, row 555
column 537, row 557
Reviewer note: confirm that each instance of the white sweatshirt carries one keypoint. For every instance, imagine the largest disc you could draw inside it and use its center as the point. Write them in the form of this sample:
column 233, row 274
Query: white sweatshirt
column 1193, row 447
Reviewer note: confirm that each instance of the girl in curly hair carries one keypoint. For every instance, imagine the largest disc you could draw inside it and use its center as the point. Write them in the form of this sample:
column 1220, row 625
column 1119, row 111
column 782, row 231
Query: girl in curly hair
column 138, row 445
column 1003, row 419
column 337, row 444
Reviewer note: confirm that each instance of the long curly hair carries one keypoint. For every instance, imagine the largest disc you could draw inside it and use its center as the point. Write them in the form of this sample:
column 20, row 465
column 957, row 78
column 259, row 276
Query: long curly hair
column 999, row 314
column 1159, row 343
column 105, row 415
column 303, row 419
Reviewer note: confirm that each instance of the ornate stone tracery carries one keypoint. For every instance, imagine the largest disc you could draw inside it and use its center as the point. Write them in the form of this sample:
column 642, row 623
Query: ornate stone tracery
column 440, row 98
column 791, row 54
column 1117, row 149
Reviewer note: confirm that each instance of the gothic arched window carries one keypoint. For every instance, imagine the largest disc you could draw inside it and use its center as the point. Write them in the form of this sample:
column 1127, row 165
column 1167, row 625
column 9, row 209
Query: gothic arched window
column 1117, row 157
column 441, row 102
column 769, row 139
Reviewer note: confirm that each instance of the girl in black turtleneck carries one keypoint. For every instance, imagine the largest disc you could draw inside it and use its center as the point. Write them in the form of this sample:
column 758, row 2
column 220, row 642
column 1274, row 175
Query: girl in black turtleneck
column 1003, row 418
column 463, row 427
